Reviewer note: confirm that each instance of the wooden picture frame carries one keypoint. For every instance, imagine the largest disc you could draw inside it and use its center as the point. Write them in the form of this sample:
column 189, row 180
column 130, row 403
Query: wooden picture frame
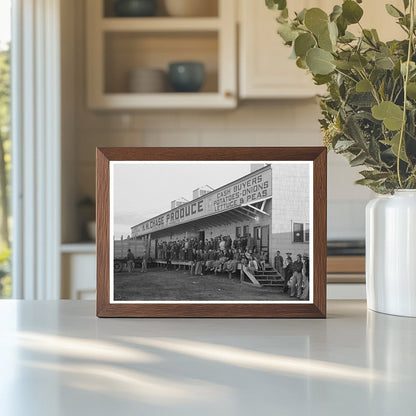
column 270, row 162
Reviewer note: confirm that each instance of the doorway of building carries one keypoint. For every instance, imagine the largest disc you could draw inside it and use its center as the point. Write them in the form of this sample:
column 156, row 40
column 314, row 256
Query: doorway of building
column 257, row 238
column 264, row 242
column 201, row 236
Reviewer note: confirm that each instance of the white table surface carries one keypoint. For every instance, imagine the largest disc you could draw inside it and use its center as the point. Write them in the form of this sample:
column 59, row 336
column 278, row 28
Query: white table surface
column 57, row 358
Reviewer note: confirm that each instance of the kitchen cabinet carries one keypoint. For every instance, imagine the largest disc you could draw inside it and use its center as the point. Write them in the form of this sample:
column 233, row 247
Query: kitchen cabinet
column 265, row 69
column 118, row 45
column 78, row 263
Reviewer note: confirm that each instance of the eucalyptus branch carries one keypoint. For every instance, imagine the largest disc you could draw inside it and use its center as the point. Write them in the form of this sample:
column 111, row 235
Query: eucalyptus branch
column 346, row 75
column 406, row 80
column 373, row 88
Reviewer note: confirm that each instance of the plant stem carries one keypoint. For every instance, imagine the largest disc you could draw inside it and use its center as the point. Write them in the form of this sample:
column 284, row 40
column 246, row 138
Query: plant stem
column 406, row 80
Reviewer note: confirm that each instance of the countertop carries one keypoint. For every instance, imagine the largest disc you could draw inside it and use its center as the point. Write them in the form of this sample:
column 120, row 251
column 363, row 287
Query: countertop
column 57, row 358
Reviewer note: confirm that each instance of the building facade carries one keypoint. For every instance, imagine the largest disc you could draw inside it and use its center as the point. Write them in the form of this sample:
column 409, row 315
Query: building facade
column 270, row 205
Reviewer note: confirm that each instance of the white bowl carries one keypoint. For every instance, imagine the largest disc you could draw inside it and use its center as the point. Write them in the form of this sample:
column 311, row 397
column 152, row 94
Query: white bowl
column 147, row 80
column 191, row 8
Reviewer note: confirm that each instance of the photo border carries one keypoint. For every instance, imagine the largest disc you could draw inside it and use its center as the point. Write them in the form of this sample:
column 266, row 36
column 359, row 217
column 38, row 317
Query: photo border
column 224, row 309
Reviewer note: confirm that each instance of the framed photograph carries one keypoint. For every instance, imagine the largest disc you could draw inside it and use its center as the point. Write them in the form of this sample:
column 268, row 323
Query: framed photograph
column 211, row 232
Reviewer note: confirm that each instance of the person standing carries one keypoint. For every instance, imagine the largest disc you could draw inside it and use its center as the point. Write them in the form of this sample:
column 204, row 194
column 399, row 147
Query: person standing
column 297, row 277
column 287, row 270
column 144, row 262
column 168, row 258
column 130, row 261
column 305, row 281
column 250, row 242
column 278, row 264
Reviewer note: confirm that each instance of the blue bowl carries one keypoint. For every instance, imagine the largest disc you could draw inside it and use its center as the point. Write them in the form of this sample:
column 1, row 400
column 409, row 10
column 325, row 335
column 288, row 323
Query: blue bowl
column 135, row 8
column 187, row 76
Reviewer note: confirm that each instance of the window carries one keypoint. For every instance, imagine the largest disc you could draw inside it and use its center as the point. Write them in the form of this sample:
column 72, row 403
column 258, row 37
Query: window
column 300, row 232
column 237, row 232
column 298, row 236
column 5, row 160
column 258, row 233
column 246, row 230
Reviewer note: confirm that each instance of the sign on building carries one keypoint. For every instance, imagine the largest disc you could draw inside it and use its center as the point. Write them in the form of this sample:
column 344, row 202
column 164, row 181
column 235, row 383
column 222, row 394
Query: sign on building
column 251, row 188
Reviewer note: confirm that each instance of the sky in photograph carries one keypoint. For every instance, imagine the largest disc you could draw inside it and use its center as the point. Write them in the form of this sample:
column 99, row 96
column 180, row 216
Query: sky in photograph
column 143, row 191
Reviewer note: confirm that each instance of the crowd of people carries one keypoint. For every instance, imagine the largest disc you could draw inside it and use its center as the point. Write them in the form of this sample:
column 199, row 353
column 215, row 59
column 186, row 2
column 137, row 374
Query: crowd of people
column 219, row 254
column 222, row 254
column 295, row 274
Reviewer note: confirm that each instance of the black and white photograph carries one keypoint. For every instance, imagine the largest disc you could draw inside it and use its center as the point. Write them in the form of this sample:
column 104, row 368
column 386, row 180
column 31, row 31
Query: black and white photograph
column 211, row 232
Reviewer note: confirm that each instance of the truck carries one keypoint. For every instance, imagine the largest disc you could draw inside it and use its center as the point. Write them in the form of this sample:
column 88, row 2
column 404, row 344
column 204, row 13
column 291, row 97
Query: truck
column 121, row 247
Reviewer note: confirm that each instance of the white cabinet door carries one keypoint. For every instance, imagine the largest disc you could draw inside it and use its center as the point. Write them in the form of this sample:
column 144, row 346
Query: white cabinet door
column 78, row 276
column 265, row 68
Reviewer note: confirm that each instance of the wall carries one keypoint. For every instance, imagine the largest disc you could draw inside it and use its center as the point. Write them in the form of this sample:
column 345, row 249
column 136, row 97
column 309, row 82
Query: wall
column 290, row 204
column 254, row 123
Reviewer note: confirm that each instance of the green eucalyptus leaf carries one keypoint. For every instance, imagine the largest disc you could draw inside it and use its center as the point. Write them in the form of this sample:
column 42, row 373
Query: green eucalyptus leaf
column 374, row 174
column 394, row 146
column 303, row 43
column 333, row 32
column 336, row 12
column 363, row 86
column 342, row 25
column 368, row 36
column 375, row 35
column 281, row 19
column 325, row 42
column 316, row 20
column 351, row 11
column 384, row 62
column 343, row 145
column 301, row 15
column 287, row 33
column 393, row 11
column 276, row 4
column 347, row 37
column 301, row 63
column 374, row 151
column 412, row 68
column 344, row 65
column 365, row 182
column 285, row 13
column 358, row 61
column 388, row 112
column 319, row 61
column 358, row 160
column 411, row 90
column 321, row 79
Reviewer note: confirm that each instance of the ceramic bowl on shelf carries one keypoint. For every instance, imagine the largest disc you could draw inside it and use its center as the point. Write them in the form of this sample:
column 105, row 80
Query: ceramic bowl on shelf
column 186, row 76
column 147, row 81
column 191, row 8
column 135, row 8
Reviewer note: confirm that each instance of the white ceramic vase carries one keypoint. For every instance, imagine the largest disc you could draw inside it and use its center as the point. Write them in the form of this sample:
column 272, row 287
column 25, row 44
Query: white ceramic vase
column 391, row 253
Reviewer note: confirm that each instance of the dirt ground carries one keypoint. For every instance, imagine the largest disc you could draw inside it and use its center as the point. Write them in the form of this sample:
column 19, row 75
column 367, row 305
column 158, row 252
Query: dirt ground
column 158, row 284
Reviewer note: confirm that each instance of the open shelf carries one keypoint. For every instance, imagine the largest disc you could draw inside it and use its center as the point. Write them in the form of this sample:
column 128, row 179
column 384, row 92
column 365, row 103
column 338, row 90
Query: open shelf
column 160, row 24
column 127, row 51
column 119, row 45
column 211, row 9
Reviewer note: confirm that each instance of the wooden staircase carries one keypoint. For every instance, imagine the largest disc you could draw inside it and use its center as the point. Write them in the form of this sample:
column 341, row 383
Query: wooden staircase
column 269, row 277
